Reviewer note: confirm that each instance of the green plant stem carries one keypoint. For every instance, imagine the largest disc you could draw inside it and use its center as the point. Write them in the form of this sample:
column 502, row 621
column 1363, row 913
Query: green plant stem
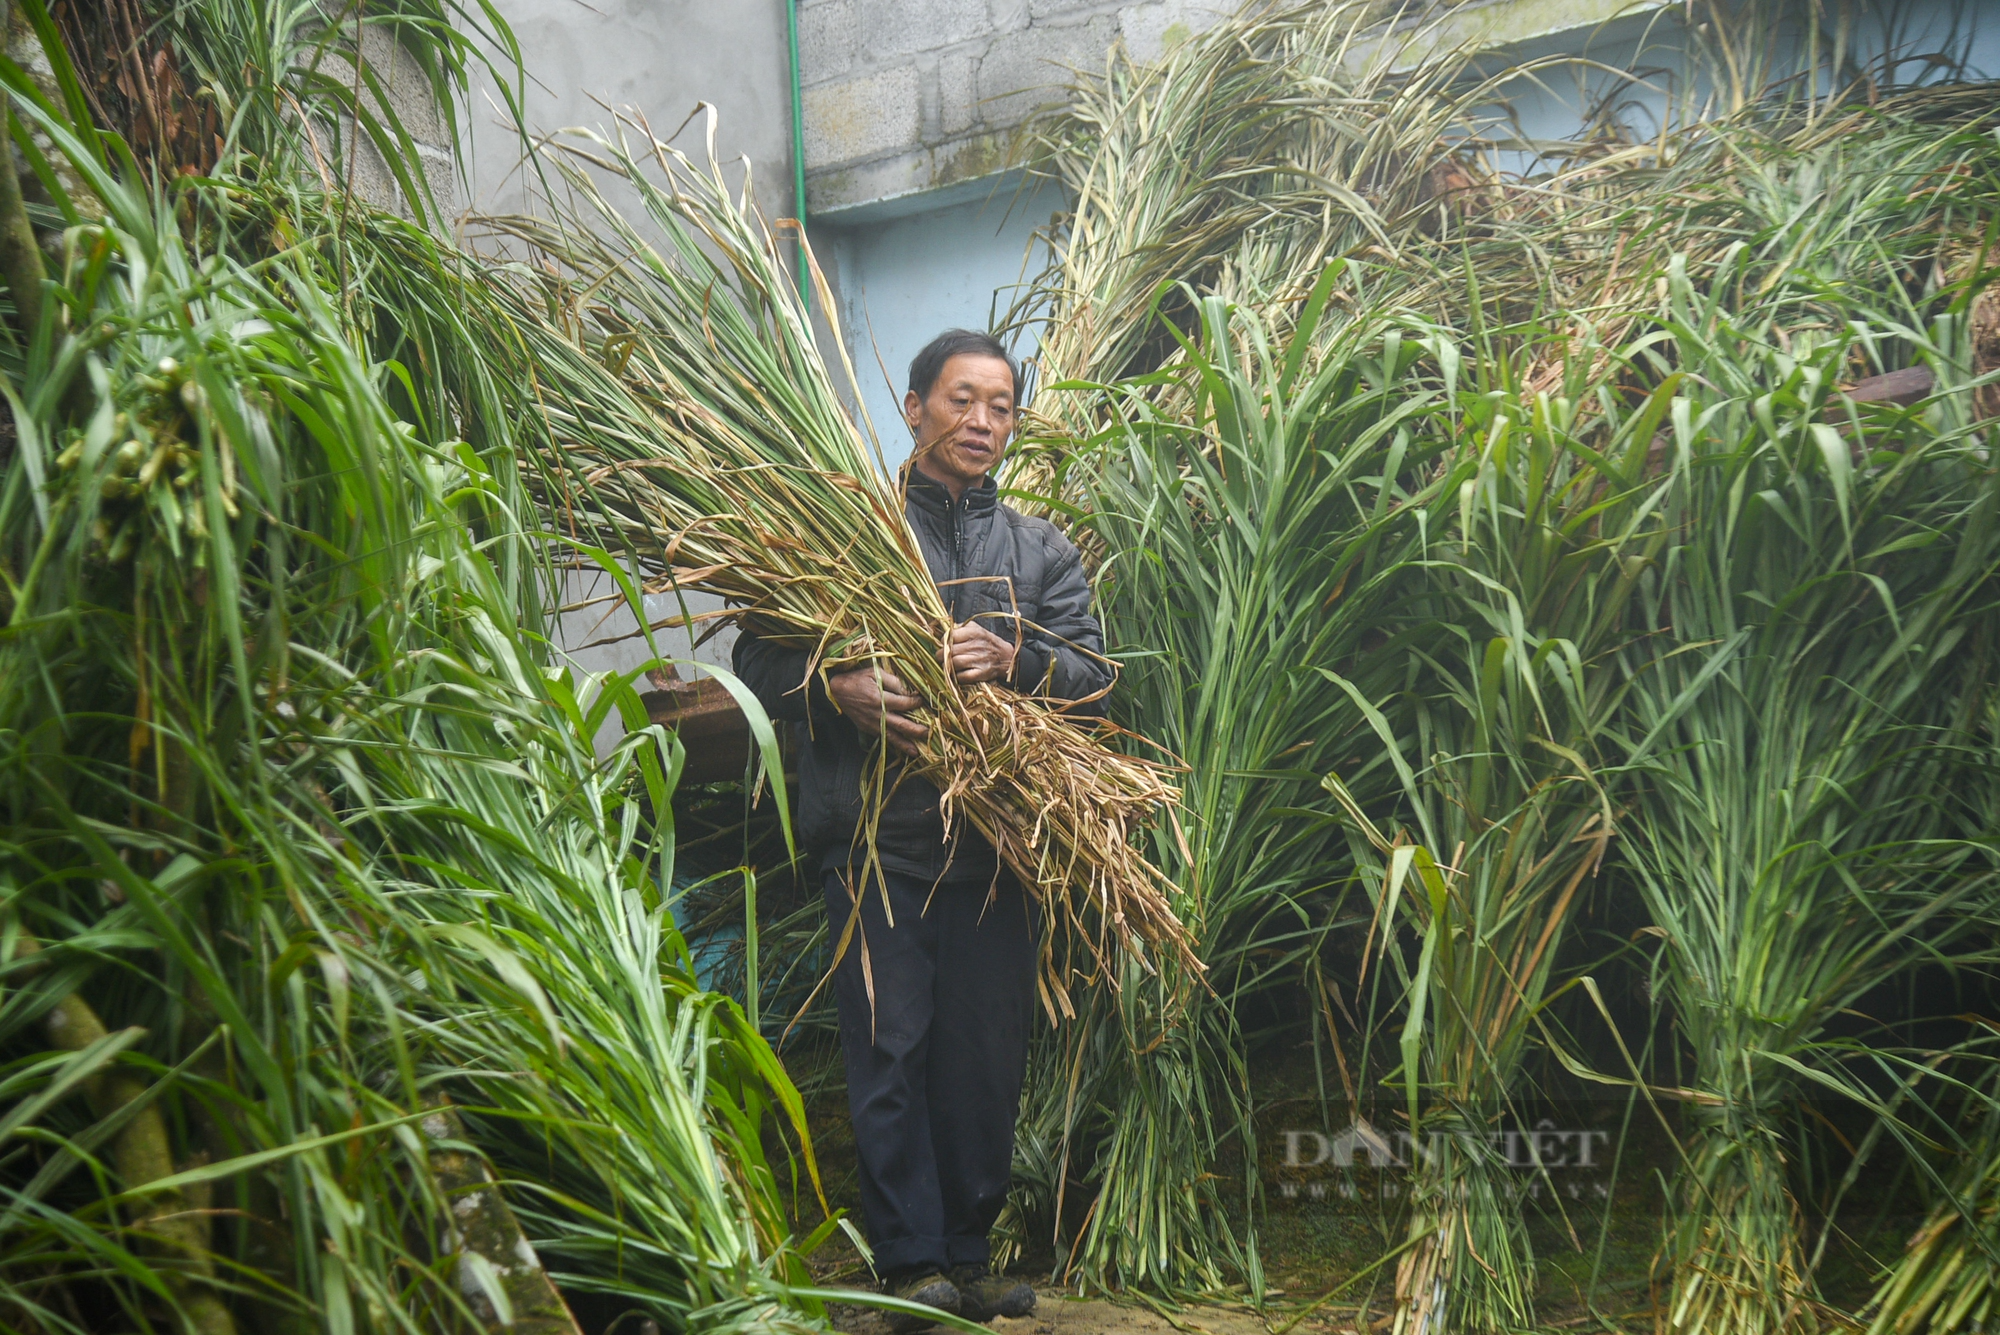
column 143, row 1152
column 20, row 256
column 483, row 1226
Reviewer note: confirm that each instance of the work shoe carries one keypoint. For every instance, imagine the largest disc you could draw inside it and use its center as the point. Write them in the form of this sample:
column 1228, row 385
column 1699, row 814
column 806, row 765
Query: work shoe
column 983, row 1295
column 927, row 1287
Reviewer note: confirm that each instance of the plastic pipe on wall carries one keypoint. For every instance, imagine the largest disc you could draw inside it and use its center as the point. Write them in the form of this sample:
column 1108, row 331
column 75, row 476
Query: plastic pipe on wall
column 798, row 150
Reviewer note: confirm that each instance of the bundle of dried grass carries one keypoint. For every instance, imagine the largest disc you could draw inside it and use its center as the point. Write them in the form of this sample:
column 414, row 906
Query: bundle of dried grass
column 692, row 425
column 1240, row 164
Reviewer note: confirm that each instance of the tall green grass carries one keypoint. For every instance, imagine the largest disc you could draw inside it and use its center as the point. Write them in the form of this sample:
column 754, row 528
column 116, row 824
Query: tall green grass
column 1250, row 540
column 1597, row 345
column 303, row 815
column 1533, row 515
column 1796, row 732
column 1504, row 814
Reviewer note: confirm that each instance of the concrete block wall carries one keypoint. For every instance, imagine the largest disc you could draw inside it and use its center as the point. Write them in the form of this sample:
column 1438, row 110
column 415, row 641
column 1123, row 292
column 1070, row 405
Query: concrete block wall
column 589, row 59
column 656, row 58
column 905, row 96
column 409, row 99
column 405, row 99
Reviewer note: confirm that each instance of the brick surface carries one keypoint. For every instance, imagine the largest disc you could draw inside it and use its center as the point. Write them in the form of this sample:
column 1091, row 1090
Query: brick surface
column 1051, row 9
column 958, row 93
column 912, row 93
column 359, row 165
column 926, row 66
column 902, row 27
column 863, row 117
column 1031, row 69
column 441, row 175
column 1150, row 30
column 1008, row 15
column 404, row 86
column 900, row 175
column 826, row 40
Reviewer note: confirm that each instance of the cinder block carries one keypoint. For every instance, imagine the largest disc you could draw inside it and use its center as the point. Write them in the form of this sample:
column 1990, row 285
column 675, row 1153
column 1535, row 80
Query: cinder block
column 885, row 178
column 355, row 164
column 405, row 88
column 1028, row 70
column 958, row 93
column 1151, row 30
column 926, row 66
column 863, row 117
column 968, row 158
column 1055, row 9
column 1008, row 15
column 891, row 28
column 826, row 40
column 441, row 176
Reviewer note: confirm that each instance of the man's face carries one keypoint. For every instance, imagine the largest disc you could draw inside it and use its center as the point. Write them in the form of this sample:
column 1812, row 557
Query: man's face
column 963, row 424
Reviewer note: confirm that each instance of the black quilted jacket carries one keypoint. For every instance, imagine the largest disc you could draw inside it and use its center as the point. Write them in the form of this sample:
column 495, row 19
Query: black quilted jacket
column 988, row 560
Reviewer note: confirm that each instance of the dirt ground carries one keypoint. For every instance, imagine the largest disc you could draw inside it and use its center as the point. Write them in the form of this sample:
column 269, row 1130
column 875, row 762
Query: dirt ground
column 1595, row 1230
column 1057, row 1313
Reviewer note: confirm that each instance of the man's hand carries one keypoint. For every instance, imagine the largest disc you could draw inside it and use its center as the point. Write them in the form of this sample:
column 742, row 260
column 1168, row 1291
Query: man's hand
column 977, row 654
column 880, row 705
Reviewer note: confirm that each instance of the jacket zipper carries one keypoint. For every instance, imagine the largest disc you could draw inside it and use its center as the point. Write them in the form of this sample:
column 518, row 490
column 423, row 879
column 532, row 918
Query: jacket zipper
column 952, row 512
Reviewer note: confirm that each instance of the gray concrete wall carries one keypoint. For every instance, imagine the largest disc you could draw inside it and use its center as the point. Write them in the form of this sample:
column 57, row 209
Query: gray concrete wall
column 905, row 96
column 1637, row 66
column 658, row 56
column 407, row 101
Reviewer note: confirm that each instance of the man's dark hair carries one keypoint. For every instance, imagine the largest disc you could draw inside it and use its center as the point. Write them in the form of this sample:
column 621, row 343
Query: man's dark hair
column 928, row 365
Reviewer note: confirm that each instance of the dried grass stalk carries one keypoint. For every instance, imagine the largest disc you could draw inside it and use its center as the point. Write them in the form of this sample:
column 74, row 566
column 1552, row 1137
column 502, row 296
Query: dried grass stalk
column 693, row 424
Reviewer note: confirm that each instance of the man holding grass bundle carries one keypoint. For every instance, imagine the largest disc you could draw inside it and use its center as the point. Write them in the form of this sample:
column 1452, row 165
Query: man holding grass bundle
column 936, row 985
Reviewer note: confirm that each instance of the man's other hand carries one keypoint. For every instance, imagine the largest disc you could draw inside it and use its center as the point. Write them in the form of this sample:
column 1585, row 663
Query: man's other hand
column 977, row 654
column 880, row 705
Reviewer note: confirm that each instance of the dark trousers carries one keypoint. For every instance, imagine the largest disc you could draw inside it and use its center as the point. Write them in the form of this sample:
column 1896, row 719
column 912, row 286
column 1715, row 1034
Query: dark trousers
column 934, row 1066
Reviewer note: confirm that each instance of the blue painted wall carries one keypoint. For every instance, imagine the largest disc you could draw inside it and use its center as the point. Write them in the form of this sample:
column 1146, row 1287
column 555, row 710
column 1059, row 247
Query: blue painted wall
column 1637, row 68
column 905, row 279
